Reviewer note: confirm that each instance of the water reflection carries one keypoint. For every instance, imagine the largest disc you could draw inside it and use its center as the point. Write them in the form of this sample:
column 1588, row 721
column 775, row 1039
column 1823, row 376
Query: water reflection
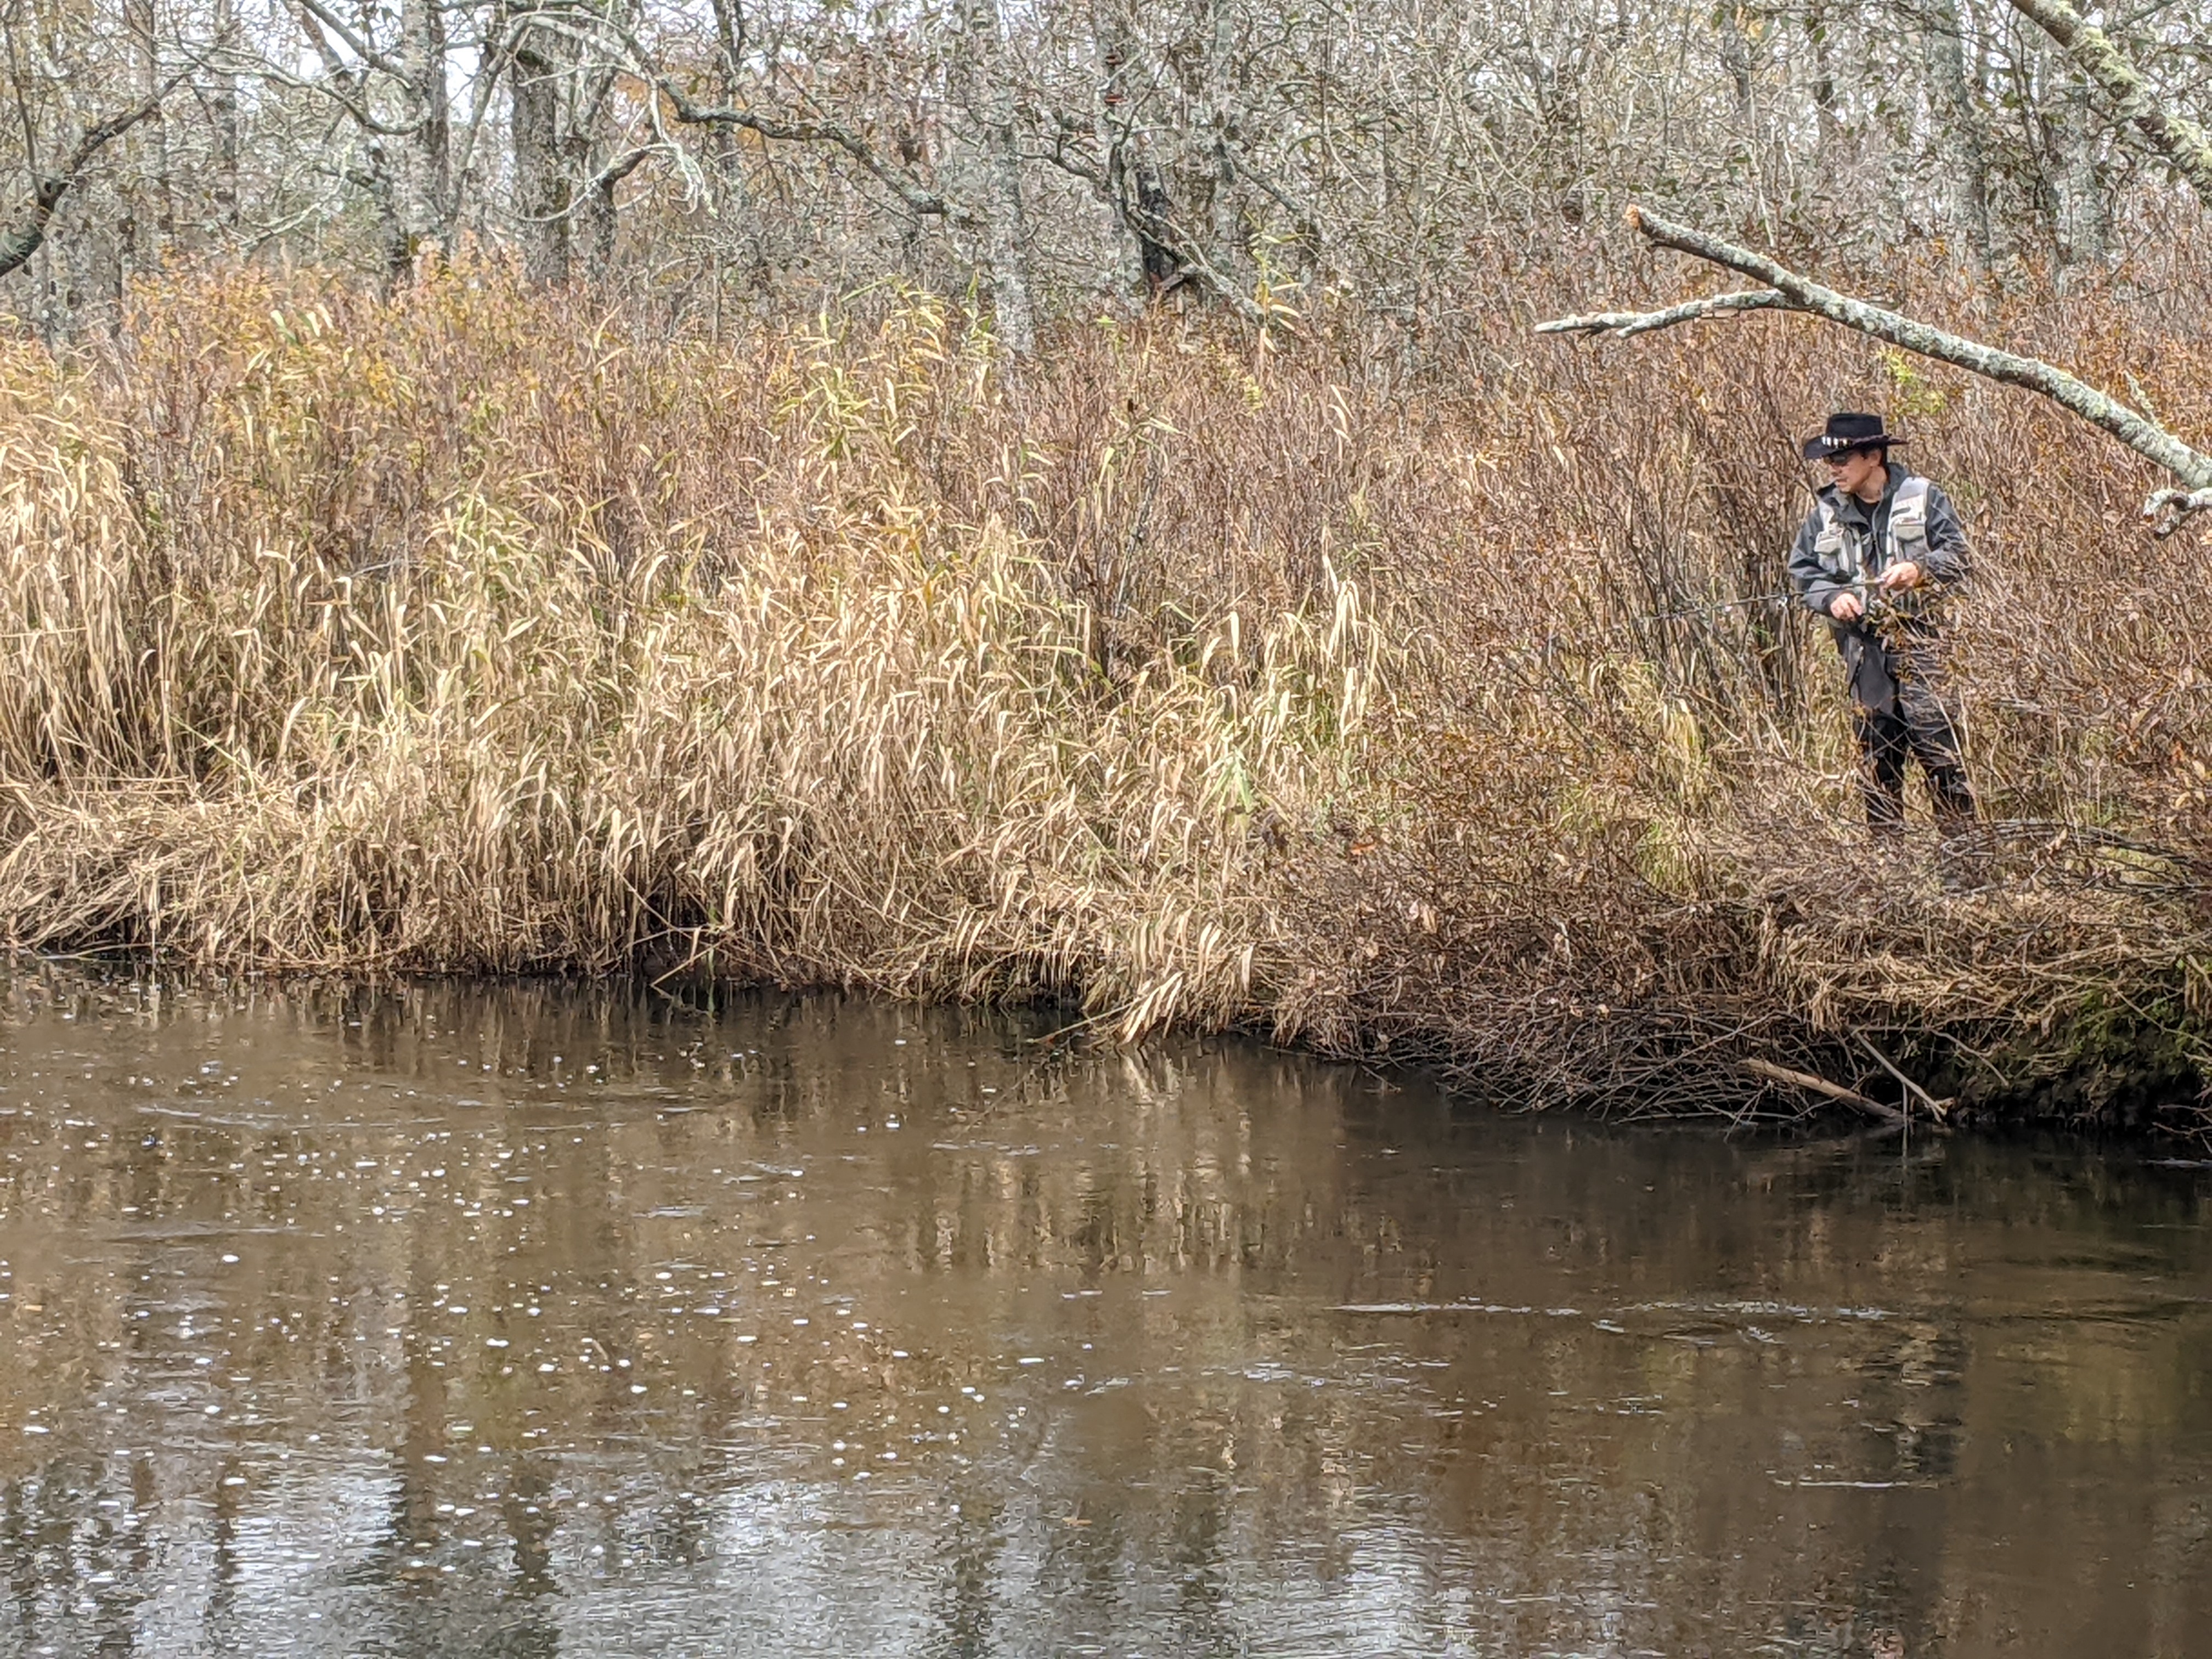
column 538, row 1320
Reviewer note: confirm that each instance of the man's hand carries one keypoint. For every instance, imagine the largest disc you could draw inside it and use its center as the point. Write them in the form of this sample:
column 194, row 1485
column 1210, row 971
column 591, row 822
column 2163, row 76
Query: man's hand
column 1899, row 577
column 1846, row 607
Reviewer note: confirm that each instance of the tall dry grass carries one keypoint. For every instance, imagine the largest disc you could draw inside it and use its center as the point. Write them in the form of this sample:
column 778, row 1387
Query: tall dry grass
column 1206, row 679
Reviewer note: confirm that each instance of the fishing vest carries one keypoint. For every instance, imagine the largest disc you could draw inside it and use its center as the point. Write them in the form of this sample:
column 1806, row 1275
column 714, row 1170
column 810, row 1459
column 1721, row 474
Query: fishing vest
column 1841, row 549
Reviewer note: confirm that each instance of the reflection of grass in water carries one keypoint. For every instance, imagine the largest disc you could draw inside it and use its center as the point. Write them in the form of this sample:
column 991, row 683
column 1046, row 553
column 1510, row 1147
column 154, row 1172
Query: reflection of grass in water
column 1217, row 1477
column 463, row 629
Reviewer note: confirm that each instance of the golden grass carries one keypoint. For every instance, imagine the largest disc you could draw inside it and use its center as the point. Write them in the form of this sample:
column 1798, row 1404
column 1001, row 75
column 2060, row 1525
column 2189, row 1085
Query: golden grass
column 856, row 741
column 466, row 629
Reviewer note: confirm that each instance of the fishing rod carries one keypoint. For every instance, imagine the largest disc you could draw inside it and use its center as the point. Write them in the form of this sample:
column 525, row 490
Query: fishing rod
column 1782, row 597
column 1875, row 602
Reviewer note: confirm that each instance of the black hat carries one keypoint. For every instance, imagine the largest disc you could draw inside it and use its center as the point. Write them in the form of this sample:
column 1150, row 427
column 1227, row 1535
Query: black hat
column 1845, row 433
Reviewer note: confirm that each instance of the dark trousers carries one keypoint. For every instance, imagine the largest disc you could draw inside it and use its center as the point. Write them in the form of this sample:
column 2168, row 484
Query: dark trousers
column 1918, row 724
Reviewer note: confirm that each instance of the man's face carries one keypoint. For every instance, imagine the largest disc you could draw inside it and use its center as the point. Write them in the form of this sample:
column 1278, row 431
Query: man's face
column 1857, row 473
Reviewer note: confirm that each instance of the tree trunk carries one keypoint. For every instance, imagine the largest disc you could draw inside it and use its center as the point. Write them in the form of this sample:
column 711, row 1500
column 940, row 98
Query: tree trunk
column 223, row 118
column 1113, row 119
column 1155, row 209
column 2084, row 220
column 992, row 99
column 1958, row 132
column 1230, row 255
column 425, row 184
column 730, row 162
column 593, row 170
column 543, row 198
column 601, row 218
column 146, row 218
column 1825, row 132
column 1735, row 59
column 159, row 181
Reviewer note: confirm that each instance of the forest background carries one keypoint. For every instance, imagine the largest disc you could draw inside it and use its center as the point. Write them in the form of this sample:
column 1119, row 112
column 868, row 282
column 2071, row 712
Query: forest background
column 1068, row 500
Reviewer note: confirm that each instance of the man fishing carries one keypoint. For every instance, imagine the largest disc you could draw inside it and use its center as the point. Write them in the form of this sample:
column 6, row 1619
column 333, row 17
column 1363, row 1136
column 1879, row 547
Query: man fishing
column 1878, row 544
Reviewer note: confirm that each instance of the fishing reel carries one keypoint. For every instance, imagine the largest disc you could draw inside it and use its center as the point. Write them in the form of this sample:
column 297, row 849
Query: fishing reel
column 1889, row 612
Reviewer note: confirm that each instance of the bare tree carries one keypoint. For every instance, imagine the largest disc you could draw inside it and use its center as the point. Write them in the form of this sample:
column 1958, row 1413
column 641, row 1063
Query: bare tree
column 1075, row 152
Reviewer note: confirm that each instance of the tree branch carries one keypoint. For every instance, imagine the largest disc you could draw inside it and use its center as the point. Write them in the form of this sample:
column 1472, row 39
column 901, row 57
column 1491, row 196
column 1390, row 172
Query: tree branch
column 1795, row 293
column 1626, row 323
column 592, row 27
column 18, row 244
column 1195, row 264
column 1152, row 225
column 2170, row 506
column 918, row 198
column 334, row 88
column 1307, row 222
column 356, row 42
column 600, row 184
column 2181, row 140
column 1821, row 1086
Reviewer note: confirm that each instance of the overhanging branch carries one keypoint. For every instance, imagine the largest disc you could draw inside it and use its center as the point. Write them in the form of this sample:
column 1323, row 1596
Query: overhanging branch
column 593, row 27
column 1788, row 291
column 1624, row 324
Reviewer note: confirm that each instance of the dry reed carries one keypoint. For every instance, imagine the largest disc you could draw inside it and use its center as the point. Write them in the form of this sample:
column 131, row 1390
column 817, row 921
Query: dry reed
column 1202, row 680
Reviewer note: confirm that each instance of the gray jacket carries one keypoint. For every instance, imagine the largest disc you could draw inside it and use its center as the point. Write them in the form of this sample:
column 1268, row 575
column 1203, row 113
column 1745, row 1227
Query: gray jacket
column 1843, row 546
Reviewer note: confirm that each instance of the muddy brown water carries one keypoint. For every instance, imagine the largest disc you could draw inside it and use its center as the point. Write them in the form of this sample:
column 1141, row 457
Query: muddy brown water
column 492, row 1321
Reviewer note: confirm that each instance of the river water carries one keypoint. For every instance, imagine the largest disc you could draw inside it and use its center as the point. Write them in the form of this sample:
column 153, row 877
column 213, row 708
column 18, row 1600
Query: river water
column 463, row 1320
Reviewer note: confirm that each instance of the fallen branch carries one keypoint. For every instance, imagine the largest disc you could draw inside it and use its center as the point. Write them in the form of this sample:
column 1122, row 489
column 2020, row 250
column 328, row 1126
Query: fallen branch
column 1821, row 1086
column 2170, row 506
column 1627, row 323
column 1936, row 1109
column 1792, row 292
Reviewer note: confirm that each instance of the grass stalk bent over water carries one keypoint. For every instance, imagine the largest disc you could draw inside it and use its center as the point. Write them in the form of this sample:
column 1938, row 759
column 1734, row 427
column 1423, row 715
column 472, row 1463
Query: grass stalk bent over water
column 464, row 630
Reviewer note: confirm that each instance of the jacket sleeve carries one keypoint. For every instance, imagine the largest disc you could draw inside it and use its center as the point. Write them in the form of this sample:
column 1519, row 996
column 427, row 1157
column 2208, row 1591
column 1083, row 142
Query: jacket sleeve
column 1947, row 559
column 1814, row 585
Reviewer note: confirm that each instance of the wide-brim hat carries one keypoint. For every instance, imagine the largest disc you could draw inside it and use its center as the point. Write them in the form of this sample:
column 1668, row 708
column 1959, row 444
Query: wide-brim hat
column 1846, row 433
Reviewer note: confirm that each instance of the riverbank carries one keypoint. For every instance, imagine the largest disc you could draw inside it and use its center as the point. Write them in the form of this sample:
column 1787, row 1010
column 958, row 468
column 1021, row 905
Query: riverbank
column 1213, row 682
